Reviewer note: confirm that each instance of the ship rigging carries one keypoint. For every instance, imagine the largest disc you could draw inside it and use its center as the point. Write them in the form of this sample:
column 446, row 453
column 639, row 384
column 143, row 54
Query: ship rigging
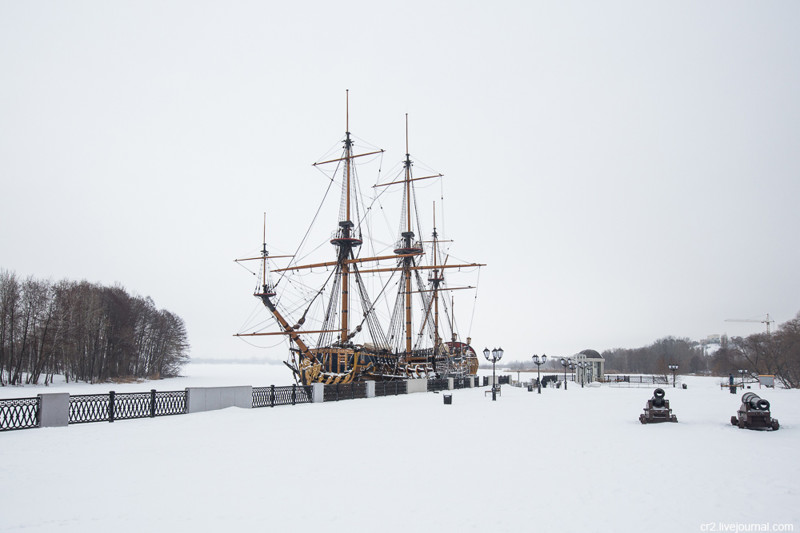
column 335, row 328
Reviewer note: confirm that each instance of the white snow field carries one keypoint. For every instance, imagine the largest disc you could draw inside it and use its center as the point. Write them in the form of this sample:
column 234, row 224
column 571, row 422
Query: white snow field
column 573, row 461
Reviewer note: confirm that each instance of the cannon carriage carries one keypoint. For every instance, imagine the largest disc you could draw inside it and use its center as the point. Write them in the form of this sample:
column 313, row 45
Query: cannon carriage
column 657, row 409
column 754, row 413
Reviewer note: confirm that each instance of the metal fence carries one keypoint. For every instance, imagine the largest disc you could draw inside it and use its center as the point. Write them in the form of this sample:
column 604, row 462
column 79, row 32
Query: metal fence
column 500, row 380
column 23, row 413
column 19, row 413
column 461, row 382
column 89, row 408
column 436, row 385
column 125, row 406
column 650, row 380
column 288, row 395
column 349, row 391
column 389, row 388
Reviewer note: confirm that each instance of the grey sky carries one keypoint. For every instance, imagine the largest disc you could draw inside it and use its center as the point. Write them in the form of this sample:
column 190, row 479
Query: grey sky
column 628, row 170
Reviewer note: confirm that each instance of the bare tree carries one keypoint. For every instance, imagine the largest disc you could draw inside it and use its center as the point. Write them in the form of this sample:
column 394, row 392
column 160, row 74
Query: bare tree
column 85, row 331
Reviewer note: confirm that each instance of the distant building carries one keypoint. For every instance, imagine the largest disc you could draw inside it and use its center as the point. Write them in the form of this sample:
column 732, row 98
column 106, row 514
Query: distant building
column 594, row 368
column 711, row 339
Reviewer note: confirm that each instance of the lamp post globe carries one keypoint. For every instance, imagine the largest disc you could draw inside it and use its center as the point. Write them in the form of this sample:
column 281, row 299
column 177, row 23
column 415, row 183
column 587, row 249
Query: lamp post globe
column 673, row 367
column 493, row 356
column 565, row 363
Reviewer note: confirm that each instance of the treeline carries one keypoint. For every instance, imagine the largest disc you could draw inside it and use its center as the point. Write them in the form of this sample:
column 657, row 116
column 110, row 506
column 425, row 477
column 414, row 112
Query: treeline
column 777, row 354
column 85, row 332
column 653, row 359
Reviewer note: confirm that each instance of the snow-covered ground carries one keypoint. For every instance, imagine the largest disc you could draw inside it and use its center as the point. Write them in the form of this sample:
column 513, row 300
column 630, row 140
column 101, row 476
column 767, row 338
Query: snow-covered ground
column 575, row 460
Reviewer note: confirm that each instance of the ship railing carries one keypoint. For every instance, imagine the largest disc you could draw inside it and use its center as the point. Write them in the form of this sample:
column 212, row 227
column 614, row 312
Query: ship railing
column 412, row 247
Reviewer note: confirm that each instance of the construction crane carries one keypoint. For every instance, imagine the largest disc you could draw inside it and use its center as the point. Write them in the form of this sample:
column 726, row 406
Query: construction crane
column 766, row 321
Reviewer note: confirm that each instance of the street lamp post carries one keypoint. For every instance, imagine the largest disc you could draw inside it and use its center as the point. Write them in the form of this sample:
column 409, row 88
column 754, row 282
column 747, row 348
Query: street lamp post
column 582, row 366
column 493, row 356
column 742, row 372
column 565, row 363
column 673, row 368
column 539, row 362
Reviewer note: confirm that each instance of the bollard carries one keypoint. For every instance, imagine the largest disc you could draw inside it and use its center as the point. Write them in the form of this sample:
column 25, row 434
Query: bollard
column 448, row 399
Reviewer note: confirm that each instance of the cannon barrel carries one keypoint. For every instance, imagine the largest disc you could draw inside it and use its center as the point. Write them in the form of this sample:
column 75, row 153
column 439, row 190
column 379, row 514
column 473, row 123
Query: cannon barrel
column 658, row 397
column 755, row 402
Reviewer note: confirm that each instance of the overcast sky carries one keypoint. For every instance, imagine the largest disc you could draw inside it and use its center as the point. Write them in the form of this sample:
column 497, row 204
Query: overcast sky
column 627, row 170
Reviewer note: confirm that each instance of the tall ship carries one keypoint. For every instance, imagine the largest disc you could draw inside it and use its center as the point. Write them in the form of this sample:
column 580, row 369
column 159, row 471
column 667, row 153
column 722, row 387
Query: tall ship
column 375, row 309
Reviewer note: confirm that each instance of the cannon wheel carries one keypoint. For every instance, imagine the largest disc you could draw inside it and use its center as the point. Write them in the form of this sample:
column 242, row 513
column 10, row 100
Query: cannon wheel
column 674, row 418
column 642, row 419
column 734, row 421
column 775, row 425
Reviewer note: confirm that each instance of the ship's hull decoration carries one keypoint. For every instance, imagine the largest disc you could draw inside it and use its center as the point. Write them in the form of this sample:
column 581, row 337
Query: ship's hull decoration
column 350, row 339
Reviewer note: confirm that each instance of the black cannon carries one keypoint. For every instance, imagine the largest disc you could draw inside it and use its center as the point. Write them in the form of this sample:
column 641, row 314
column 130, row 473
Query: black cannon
column 754, row 413
column 657, row 409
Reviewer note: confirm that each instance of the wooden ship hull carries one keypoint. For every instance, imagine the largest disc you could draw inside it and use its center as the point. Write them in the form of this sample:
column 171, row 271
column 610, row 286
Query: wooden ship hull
column 345, row 365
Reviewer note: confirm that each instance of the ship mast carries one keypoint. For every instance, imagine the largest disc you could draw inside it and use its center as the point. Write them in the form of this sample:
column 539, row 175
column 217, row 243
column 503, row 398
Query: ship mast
column 407, row 250
column 435, row 279
column 346, row 246
column 346, row 239
column 266, row 287
column 407, row 247
column 268, row 292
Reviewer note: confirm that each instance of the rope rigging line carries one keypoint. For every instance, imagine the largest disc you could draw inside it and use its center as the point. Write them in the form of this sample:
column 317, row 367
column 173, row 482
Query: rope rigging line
column 313, row 220
column 369, row 311
column 319, row 292
column 261, row 346
column 416, row 211
column 441, row 203
column 427, row 303
column 244, row 267
column 474, row 303
column 331, row 312
column 254, row 313
column 363, row 219
column 331, row 150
